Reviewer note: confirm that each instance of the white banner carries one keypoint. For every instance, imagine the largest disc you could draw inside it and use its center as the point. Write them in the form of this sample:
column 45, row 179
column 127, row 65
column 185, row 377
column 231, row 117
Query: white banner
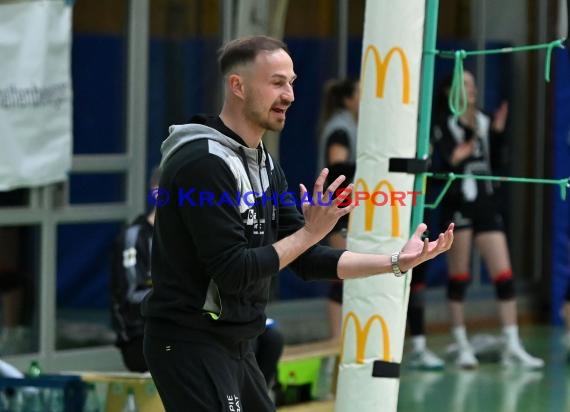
column 35, row 93
column 374, row 309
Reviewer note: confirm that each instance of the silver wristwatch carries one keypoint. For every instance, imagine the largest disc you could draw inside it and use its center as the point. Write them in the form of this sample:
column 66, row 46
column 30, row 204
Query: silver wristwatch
column 395, row 260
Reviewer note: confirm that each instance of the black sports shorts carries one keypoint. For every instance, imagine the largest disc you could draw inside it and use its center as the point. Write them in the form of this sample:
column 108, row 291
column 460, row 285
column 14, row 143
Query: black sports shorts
column 481, row 215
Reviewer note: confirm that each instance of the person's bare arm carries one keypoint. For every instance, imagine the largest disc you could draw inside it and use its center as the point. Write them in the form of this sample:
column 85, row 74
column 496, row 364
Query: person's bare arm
column 500, row 118
column 415, row 251
column 462, row 151
column 321, row 217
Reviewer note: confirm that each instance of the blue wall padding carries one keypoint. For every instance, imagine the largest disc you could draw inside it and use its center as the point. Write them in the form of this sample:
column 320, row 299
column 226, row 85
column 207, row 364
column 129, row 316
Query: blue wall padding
column 83, row 262
column 98, row 68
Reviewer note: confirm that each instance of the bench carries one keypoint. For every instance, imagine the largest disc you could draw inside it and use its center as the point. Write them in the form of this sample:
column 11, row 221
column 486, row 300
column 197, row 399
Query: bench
column 319, row 349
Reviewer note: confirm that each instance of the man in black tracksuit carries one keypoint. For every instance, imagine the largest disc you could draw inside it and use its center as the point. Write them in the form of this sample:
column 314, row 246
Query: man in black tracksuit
column 229, row 226
column 131, row 281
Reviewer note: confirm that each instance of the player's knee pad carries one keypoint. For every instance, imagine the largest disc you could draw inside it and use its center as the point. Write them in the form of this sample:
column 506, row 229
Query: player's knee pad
column 417, row 296
column 504, row 285
column 457, row 286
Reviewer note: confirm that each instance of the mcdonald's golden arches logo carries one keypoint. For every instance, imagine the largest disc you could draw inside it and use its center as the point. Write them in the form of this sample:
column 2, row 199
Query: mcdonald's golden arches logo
column 369, row 205
column 362, row 336
column 382, row 69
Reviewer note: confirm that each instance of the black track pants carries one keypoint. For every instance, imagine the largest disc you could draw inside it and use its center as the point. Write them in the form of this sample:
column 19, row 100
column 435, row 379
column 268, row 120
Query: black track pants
column 205, row 377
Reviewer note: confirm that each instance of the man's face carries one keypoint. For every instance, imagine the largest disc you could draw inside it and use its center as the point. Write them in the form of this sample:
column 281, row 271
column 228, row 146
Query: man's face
column 268, row 89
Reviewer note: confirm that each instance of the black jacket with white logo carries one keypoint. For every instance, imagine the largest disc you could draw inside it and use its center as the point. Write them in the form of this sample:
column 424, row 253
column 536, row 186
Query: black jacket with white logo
column 212, row 256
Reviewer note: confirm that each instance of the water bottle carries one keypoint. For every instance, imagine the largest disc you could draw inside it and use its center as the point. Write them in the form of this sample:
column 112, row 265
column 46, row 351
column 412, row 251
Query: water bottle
column 91, row 400
column 34, row 369
column 130, row 403
column 4, row 401
column 29, row 399
column 56, row 400
column 15, row 400
column 32, row 400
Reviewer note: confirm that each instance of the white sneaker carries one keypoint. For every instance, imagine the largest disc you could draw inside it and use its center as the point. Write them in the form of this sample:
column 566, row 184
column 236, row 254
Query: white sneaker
column 517, row 356
column 425, row 360
column 466, row 358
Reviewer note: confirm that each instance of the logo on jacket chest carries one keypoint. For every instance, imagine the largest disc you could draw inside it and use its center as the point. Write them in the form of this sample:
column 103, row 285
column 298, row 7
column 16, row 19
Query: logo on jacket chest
column 251, row 221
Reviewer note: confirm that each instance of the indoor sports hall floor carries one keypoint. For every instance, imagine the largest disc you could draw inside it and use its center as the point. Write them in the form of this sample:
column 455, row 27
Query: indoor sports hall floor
column 490, row 388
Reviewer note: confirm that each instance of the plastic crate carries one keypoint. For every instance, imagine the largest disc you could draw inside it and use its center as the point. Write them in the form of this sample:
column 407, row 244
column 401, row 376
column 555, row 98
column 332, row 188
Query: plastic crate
column 73, row 387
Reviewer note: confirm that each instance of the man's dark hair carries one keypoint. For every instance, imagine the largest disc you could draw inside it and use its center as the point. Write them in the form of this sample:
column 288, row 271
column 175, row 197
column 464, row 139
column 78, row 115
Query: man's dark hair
column 245, row 50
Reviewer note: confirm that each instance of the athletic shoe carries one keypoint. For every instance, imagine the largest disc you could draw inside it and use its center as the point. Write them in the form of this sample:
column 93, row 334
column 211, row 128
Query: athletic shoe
column 425, row 360
column 466, row 358
column 517, row 356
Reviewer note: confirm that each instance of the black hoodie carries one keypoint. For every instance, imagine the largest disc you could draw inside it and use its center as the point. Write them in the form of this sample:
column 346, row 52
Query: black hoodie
column 212, row 260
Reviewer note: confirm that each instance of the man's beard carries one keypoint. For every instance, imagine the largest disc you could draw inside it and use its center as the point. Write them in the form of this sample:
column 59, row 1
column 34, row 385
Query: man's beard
column 265, row 122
